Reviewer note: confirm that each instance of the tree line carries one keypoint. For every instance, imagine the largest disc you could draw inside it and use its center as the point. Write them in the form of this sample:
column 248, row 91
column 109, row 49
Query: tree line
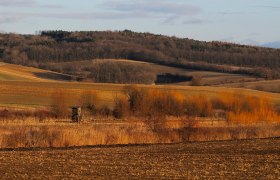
column 63, row 46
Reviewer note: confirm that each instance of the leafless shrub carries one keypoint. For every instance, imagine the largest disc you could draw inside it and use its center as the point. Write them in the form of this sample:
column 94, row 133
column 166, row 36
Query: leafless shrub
column 188, row 129
column 40, row 114
column 135, row 97
column 121, row 107
column 198, row 106
column 88, row 101
column 105, row 111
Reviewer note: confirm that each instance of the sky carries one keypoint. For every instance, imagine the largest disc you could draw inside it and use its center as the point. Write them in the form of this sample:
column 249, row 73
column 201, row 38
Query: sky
column 241, row 21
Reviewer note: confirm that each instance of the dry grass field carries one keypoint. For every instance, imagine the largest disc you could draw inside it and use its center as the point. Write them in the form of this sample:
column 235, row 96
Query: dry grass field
column 101, row 147
column 37, row 92
column 246, row 159
column 12, row 72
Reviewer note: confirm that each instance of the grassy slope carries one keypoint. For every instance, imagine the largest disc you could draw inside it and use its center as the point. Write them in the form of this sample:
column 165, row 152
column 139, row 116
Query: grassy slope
column 11, row 72
column 21, row 87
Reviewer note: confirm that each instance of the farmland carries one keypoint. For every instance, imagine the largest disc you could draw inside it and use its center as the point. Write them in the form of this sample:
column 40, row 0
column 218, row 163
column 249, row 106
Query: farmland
column 249, row 159
column 29, row 119
column 52, row 147
column 90, row 103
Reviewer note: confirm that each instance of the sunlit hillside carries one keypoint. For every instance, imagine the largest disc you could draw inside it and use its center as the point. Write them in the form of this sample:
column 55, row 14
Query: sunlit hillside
column 12, row 72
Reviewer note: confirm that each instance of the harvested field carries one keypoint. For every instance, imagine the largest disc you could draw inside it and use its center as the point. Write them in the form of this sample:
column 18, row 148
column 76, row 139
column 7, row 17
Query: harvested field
column 247, row 159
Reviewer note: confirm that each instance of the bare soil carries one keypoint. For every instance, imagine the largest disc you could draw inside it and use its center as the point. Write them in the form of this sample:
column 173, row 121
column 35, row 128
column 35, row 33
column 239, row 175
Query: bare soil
column 246, row 159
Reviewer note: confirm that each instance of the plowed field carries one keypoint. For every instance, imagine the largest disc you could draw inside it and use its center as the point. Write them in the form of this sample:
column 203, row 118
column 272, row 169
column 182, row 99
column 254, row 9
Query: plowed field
column 248, row 159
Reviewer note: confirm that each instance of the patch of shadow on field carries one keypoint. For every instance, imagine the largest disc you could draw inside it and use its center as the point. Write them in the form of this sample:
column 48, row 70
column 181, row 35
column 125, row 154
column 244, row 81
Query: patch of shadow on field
column 54, row 76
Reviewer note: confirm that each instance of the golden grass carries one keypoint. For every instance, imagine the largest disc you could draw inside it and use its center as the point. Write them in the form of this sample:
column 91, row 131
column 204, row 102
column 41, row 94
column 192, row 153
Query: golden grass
column 73, row 135
column 39, row 93
column 26, row 130
column 21, row 73
column 247, row 109
column 51, row 134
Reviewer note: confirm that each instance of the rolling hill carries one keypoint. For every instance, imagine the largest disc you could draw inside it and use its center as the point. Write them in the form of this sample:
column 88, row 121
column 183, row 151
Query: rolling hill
column 24, row 88
column 62, row 46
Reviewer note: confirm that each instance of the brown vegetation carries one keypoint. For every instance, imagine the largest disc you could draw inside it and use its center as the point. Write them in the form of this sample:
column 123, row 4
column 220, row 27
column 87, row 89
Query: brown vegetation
column 246, row 109
column 157, row 104
column 62, row 46
column 198, row 106
column 121, row 107
column 55, row 135
column 120, row 72
column 13, row 114
column 89, row 100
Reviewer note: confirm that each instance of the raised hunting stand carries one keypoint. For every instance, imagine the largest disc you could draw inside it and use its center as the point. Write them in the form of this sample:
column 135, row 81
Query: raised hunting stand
column 76, row 114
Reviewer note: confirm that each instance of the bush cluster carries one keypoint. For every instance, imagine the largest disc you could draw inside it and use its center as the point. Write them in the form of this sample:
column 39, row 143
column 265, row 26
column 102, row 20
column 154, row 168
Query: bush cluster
column 156, row 103
column 161, row 103
column 246, row 109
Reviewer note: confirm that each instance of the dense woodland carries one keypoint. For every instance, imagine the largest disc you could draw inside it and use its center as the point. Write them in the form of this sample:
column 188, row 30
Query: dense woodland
column 61, row 46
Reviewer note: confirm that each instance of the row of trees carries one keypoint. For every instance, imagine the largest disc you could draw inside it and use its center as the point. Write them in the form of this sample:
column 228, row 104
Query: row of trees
column 62, row 46
column 121, row 73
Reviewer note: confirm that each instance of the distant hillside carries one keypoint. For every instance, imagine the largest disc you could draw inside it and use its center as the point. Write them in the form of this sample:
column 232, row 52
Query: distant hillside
column 61, row 46
column 275, row 44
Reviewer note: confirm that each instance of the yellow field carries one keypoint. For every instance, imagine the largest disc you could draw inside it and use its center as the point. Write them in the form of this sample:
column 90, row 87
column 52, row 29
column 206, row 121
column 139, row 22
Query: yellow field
column 12, row 72
column 19, row 86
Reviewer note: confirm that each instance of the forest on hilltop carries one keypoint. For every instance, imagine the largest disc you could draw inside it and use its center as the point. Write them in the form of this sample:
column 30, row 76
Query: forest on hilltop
column 62, row 46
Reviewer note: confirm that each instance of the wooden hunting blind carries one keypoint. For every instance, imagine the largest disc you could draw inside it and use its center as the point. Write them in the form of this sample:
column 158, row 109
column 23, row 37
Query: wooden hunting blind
column 76, row 114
